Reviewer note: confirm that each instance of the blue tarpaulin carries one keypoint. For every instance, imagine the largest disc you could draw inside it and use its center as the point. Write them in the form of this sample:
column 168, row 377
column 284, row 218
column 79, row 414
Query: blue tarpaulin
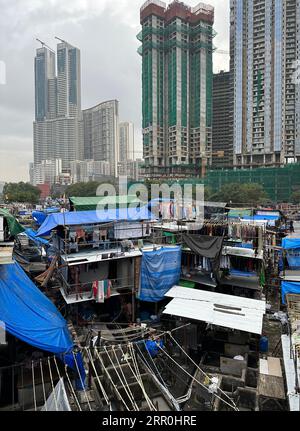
column 75, row 361
column 266, row 217
column 160, row 271
column 289, row 287
column 263, row 218
column 39, row 217
column 244, row 245
column 93, row 217
column 32, row 235
column 293, row 258
column 29, row 315
column 153, row 347
column 238, row 273
column 291, row 243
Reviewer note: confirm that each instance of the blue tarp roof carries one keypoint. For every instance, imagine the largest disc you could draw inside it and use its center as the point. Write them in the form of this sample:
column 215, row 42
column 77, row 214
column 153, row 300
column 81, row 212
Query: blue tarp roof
column 32, row 235
column 290, row 243
column 93, row 217
column 289, row 287
column 39, row 217
column 29, row 315
column 262, row 217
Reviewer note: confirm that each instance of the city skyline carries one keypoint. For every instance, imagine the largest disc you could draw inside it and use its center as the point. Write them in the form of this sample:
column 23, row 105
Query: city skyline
column 105, row 73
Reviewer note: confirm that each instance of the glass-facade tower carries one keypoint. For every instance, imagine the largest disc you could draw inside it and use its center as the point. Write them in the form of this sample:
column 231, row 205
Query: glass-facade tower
column 265, row 38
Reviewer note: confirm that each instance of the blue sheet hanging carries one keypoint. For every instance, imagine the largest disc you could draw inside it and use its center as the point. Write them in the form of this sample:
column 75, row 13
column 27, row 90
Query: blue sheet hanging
column 160, row 271
column 293, row 258
column 29, row 315
column 289, row 287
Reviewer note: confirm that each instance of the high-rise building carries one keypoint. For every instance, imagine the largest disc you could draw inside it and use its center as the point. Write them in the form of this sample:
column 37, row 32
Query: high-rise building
column 177, row 74
column 222, row 140
column 68, row 81
column 132, row 169
column 265, row 42
column 126, row 136
column 101, row 134
column 45, row 83
column 46, row 172
column 58, row 128
column 89, row 170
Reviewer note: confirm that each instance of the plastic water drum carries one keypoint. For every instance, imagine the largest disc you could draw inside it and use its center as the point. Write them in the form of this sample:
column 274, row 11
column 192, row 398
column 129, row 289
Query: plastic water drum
column 264, row 345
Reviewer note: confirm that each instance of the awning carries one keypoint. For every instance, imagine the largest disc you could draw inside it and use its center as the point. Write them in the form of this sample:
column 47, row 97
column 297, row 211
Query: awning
column 289, row 287
column 217, row 309
column 91, row 203
column 14, row 226
column 291, row 243
column 40, row 216
column 237, row 213
column 93, row 217
column 29, row 315
column 206, row 246
column 266, row 219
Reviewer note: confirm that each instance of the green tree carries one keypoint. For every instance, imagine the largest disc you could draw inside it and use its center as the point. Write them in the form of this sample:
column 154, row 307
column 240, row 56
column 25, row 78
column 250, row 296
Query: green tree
column 86, row 189
column 21, row 192
column 296, row 197
column 82, row 189
column 245, row 194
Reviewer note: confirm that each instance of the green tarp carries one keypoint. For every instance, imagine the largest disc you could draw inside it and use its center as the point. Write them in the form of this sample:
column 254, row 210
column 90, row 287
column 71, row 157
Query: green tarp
column 91, row 203
column 239, row 213
column 14, row 226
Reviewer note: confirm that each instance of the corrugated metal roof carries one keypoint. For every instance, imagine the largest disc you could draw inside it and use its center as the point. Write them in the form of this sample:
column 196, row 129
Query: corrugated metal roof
column 217, row 309
column 290, row 373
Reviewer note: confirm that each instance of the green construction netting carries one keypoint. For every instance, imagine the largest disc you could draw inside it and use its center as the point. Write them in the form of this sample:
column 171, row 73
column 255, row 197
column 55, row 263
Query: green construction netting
column 279, row 183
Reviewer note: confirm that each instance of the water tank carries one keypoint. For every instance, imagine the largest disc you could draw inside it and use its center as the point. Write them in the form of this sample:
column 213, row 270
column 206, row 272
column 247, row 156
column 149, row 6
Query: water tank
column 264, row 345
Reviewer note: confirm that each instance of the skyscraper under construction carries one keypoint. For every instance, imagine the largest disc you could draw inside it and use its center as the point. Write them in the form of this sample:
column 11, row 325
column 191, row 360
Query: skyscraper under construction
column 265, row 59
column 177, row 47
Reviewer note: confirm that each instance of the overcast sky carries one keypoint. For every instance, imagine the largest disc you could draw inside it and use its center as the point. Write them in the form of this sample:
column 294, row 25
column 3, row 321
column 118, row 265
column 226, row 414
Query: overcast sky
column 105, row 31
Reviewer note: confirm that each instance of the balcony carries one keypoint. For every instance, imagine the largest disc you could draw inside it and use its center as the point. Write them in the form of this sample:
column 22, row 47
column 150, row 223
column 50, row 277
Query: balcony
column 85, row 292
